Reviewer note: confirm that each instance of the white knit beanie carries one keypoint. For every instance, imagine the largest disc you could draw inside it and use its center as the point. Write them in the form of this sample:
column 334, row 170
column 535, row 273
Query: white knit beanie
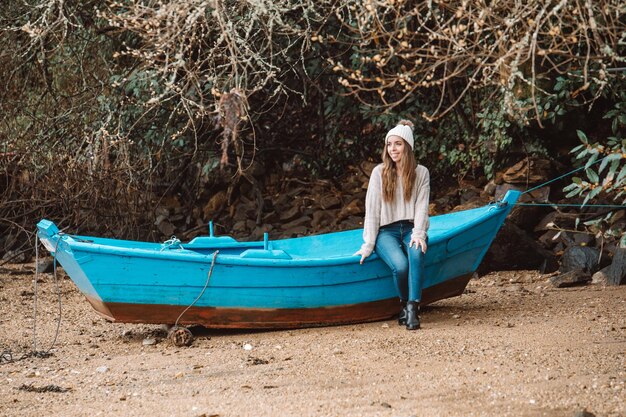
column 405, row 131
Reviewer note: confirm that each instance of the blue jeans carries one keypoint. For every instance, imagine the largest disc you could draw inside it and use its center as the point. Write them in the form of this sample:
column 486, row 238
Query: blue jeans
column 407, row 264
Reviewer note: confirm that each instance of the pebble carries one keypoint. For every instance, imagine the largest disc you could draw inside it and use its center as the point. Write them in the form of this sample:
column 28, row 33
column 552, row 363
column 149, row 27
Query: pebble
column 584, row 413
column 247, row 346
column 102, row 369
column 149, row 341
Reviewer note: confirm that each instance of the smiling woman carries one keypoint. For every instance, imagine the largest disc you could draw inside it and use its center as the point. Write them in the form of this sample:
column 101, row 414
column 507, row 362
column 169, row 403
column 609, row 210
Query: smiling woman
column 396, row 218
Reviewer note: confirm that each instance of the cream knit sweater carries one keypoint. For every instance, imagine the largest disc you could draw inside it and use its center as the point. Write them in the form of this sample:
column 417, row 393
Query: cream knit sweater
column 380, row 213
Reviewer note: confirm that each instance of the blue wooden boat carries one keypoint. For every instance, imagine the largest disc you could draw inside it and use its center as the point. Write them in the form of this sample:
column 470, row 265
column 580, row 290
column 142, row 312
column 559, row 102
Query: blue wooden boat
column 301, row 282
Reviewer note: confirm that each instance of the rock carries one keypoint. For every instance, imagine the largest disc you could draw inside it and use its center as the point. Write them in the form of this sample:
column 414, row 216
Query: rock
column 247, row 346
column 580, row 258
column 297, row 192
column 528, row 171
column 526, row 217
column 475, row 202
column 367, row 167
column 290, row 214
column 571, row 278
column 149, row 341
column 215, row 205
column 469, row 195
column 556, row 220
column 354, row 208
column 272, row 217
column 511, row 240
column 490, row 188
column 582, row 239
column 548, row 239
column 351, row 222
column 351, row 186
column 17, row 257
column 616, row 272
column 102, row 369
column 323, row 218
column 165, row 227
column 330, row 201
column 258, row 231
column 243, row 210
column 584, row 413
column 45, row 266
column 239, row 226
column 301, row 221
column 601, row 277
column 295, row 232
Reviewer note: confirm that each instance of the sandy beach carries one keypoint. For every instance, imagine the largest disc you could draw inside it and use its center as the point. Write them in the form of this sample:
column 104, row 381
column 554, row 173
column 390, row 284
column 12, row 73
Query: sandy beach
column 513, row 345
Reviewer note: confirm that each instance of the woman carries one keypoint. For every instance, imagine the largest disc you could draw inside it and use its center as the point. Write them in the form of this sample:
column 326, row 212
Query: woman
column 396, row 218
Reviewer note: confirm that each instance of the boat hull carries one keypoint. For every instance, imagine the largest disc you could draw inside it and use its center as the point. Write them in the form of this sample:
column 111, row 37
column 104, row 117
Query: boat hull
column 282, row 318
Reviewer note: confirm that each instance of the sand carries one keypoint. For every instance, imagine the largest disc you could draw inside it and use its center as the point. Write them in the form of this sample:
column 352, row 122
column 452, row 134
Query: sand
column 511, row 346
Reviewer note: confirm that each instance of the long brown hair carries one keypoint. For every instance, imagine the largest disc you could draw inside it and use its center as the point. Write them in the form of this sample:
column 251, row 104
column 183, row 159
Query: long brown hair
column 390, row 173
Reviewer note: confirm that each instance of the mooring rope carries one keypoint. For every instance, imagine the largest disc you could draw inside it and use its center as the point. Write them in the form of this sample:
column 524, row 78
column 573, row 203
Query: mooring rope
column 565, row 175
column 46, row 353
column 7, row 356
column 618, row 206
column 571, row 205
column 206, row 284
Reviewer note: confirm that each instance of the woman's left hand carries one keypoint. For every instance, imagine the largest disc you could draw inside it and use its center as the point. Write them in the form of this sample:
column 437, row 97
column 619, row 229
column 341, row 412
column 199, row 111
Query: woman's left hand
column 418, row 243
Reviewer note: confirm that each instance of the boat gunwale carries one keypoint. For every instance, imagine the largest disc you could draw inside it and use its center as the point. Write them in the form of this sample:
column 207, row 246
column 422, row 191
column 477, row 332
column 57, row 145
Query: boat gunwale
column 189, row 255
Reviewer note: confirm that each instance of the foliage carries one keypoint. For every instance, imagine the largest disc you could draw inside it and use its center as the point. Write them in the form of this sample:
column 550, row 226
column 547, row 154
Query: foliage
column 604, row 163
column 508, row 47
column 111, row 106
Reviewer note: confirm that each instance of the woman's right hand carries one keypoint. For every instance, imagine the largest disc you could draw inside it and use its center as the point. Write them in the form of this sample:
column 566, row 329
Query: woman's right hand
column 363, row 253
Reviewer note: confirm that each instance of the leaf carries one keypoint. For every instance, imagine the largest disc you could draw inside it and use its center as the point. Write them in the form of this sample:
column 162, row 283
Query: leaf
column 595, row 192
column 591, row 160
column 591, row 174
column 621, row 176
column 594, row 222
column 614, row 165
column 603, row 164
column 584, row 152
column 570, row 187
column 573, row 193
column 582, row 137
column 609, row 158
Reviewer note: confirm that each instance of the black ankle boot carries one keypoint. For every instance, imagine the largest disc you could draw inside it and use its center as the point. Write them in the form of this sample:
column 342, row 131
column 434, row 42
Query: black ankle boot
column 402, row 316
column 412, row 319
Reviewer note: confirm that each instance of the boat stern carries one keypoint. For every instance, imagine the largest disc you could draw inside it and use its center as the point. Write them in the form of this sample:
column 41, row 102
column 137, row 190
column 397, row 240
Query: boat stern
column 60, row 247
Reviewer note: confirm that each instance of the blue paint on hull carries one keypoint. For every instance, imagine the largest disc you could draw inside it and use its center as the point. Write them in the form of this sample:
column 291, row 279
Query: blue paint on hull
column 309, row 272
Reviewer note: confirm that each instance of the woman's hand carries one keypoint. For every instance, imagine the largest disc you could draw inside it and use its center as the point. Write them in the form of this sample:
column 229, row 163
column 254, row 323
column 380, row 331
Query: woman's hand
column 363, row 253
column 418, row 243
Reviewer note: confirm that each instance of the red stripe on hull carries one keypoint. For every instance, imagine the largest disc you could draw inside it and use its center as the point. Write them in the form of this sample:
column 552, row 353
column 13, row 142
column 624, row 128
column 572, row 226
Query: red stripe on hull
column 256, row 318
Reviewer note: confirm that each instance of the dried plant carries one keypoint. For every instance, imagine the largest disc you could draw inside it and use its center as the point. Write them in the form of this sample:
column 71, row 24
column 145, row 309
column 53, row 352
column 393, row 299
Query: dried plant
column 210, row 57
column 509, row 47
